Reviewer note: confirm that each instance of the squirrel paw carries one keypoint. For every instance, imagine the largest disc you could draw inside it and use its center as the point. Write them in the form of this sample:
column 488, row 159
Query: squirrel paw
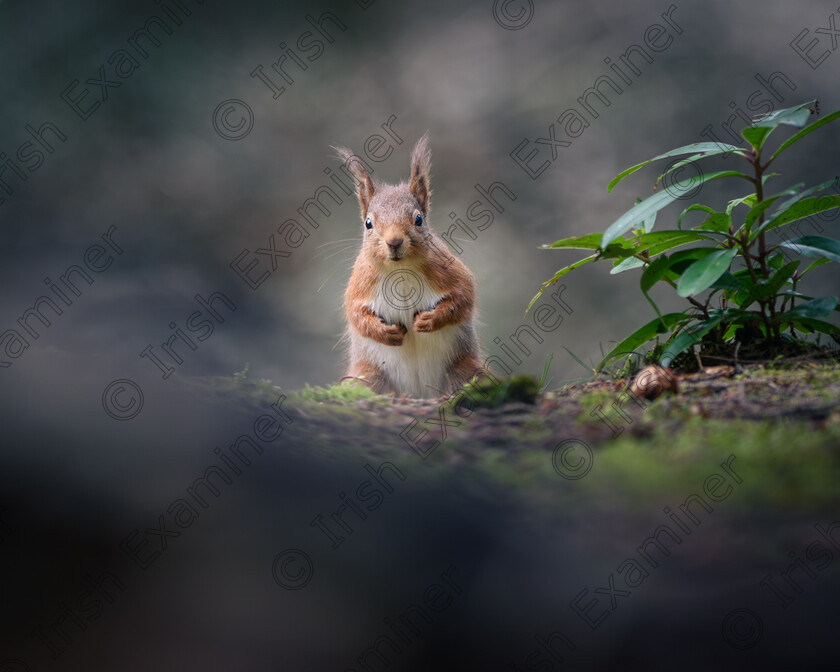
column 393, row 334
column 424, row 321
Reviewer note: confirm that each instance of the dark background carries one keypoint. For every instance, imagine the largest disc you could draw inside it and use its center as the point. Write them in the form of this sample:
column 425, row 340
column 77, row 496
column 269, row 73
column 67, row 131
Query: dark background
column 186, row 201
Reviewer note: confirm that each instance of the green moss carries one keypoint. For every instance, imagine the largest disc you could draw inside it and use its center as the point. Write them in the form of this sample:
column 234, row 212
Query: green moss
column 340, row 393
column 492, row 393
column 589, row 401
column 784, row 463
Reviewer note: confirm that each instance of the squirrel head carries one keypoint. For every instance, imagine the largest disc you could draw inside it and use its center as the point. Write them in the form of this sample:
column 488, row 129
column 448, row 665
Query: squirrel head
column 394, row 217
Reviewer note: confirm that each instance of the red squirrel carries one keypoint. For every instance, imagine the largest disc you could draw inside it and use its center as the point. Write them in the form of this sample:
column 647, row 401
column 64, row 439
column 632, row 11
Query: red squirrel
column 410, row 303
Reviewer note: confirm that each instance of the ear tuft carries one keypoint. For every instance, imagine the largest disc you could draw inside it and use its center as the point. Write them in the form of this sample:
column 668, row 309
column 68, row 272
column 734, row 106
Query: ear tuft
column 361, row 176
column 421, row 165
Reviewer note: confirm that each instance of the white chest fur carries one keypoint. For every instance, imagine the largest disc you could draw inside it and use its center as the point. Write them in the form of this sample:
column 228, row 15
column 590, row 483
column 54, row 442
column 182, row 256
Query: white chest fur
column 418, row 366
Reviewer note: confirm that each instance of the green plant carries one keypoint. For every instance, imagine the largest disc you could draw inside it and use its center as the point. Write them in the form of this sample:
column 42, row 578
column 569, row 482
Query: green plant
column 544, row 380
column 728, row 259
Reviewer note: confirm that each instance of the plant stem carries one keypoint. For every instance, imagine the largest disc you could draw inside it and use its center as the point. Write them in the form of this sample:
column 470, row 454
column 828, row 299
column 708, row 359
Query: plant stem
column 762, row 251
column 769, row 320
column 759, row 197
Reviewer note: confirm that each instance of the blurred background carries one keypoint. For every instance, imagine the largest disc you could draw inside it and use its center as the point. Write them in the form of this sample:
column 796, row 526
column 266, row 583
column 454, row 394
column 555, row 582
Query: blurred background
column 188, row 150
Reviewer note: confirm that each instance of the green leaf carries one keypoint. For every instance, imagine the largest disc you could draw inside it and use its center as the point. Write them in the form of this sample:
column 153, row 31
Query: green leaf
column 732, row 330
column 730, row 283
column 815, row 325
column 687, row 338
column 756, row 135
column 743, row 291
column 559, row 274
column 776, row 261
column 578, row 359
column 642, row 335
column 764, row 289
column 661, row 265
column 748, row 200
column 738, row 315
column 700, row 148
column 671, row 243
column 655, row 271
column 666, row 235
column 761, row 127
column 656, row 239
column 718, row 223
column 799, row 295
column 777, row 281
column 626, row 265
column 792, row 116
column 813, row 265
column 745, row 297
column 655, row 203
column 591, row 241
column 810, row 207
column 694, row 206
column 815, row 246
column 757, row 210
column 819, row 307
column 668, row 267
column 740, row 290
column 805, row 131
column 679, row 164
column 647, row 225
column 703, row 272
column 620, row 247
column 796, row 295
column 798, row 210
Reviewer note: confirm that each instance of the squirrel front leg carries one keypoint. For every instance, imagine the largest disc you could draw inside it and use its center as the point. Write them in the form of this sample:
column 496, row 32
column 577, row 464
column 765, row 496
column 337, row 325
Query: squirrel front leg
column 369, row 325
column 451, row 309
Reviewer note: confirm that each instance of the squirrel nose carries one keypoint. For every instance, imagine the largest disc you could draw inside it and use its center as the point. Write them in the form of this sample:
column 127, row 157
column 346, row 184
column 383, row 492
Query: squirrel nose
column 394, row 243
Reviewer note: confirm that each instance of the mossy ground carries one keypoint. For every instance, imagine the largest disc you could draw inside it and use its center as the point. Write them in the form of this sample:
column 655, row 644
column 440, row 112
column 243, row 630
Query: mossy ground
column 782, row 422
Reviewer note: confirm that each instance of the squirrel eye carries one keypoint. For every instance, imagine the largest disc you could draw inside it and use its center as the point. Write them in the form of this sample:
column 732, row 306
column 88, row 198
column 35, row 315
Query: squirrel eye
column 418, row 221
column 368, row 223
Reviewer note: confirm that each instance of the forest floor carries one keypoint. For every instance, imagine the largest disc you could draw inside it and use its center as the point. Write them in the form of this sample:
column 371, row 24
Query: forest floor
column 781, row 422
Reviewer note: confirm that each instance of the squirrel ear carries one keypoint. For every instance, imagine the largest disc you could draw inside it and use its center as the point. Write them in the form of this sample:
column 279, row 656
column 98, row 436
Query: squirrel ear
column 361, row 176
column 421, row 164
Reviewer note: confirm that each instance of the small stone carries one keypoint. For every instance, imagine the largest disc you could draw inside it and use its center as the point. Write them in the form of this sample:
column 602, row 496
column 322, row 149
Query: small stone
column 652, row 381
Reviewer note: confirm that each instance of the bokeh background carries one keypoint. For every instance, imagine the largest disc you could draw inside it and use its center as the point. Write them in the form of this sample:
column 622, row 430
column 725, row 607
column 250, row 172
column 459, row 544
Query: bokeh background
column 187, row 202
